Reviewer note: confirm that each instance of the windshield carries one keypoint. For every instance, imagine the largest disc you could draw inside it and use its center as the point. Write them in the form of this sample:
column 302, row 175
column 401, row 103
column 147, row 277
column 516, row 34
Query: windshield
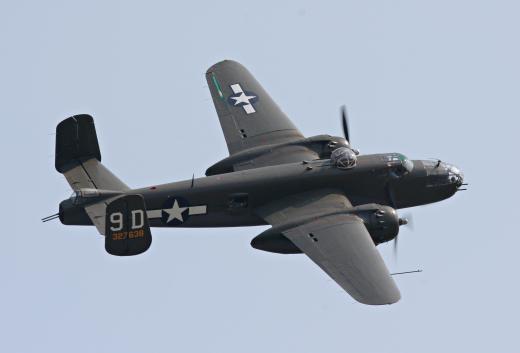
column 402, row 161
column 407, row 164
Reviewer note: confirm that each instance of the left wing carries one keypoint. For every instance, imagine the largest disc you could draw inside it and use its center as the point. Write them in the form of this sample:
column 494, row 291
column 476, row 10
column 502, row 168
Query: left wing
column 248, row 115
column 257, row 132
column 337, row 242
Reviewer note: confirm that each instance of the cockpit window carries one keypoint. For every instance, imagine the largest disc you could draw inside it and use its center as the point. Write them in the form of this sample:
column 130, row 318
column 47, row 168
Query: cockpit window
column 407, row 164
column 401, row 161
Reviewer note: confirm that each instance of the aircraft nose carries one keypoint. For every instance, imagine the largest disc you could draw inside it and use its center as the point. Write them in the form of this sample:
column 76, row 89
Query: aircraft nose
column 442, row 173
column 455, row 175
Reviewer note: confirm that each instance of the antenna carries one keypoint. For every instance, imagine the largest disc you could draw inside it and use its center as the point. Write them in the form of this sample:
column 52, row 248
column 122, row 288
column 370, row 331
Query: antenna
column 192, row 180
column 405, row 272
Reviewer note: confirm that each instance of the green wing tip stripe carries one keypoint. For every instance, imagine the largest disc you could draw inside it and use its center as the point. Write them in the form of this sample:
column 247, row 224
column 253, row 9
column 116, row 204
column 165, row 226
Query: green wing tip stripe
column 217, row 85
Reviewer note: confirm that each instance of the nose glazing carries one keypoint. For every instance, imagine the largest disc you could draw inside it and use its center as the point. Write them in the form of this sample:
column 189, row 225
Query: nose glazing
column 441, row 173
column 455, row 175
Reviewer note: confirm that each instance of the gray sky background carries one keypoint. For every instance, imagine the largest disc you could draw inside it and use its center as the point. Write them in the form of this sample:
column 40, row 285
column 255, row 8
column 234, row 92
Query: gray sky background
column 425, row 78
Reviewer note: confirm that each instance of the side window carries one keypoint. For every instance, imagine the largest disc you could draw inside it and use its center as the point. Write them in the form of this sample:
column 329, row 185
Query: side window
column 238, row 201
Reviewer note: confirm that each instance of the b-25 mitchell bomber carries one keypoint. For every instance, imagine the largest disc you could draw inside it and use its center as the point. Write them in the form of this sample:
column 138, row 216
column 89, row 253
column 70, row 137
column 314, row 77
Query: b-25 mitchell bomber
column 320, row 196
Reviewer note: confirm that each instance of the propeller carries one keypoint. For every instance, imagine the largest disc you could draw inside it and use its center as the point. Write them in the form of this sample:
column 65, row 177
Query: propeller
column 344, row 124
column 407, row 221
column 396, row 243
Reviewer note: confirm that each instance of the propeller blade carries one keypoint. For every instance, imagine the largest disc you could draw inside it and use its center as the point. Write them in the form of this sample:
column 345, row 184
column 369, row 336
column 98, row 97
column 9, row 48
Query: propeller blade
column 406, row 221
column 344, row 122
column 396, row 244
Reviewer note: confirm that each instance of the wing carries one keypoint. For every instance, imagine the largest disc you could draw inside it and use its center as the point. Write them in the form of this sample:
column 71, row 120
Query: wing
column 247, row 114
column 338, row 242
column 342, row 247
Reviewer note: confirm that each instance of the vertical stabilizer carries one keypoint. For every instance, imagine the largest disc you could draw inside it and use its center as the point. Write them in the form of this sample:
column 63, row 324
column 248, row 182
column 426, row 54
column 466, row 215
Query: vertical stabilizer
column 78, row 156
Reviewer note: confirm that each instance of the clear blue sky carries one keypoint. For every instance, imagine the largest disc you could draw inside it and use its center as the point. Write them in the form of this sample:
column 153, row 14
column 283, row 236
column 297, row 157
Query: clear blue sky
column 428, row 79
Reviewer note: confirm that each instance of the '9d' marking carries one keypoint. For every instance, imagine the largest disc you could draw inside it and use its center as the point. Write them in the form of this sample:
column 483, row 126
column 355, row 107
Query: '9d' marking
column 116, row 220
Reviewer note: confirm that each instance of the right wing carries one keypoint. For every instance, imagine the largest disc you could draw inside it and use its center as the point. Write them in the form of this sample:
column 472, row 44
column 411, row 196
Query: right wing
column 337, row 242
column 248, row 115
column 343, row 248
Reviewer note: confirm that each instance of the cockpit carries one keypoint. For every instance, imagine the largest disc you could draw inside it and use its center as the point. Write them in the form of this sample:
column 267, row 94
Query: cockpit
column 399, row 163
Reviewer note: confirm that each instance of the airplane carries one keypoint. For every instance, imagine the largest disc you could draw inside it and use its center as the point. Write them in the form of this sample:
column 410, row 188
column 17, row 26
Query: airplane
column 320, row 196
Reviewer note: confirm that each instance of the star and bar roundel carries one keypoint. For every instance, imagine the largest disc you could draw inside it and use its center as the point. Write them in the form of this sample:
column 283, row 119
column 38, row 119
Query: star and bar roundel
column 241, row 98
column 177, row 210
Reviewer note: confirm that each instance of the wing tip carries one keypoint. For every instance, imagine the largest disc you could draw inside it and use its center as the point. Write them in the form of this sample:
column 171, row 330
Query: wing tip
column 384, row 299
column 225, row 62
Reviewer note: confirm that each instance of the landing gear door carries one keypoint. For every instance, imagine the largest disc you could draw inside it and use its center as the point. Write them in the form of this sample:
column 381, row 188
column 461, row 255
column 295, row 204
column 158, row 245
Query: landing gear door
column 127, row 230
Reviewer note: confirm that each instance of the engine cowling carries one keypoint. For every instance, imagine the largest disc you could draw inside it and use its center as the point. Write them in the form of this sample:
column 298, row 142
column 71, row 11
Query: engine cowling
column 382, row 222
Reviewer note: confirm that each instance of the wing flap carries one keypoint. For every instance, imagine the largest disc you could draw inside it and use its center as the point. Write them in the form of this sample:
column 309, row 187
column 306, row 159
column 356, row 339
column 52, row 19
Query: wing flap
column 341, row 245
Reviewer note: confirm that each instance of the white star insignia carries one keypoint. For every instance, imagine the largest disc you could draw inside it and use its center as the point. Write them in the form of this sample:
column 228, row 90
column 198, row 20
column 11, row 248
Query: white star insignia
column 175, row 212
column 243, row 98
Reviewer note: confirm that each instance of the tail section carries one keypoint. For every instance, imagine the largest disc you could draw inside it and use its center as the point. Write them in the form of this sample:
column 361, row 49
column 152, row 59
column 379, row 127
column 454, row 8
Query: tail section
column 78, row 157
column 100, row 198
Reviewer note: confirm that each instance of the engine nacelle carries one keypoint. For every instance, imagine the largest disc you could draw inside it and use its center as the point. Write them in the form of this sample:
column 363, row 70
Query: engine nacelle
column 382, row 222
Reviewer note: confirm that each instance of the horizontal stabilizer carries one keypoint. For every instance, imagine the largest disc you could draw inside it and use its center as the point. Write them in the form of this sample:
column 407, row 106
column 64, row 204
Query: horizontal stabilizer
column 127, row 230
